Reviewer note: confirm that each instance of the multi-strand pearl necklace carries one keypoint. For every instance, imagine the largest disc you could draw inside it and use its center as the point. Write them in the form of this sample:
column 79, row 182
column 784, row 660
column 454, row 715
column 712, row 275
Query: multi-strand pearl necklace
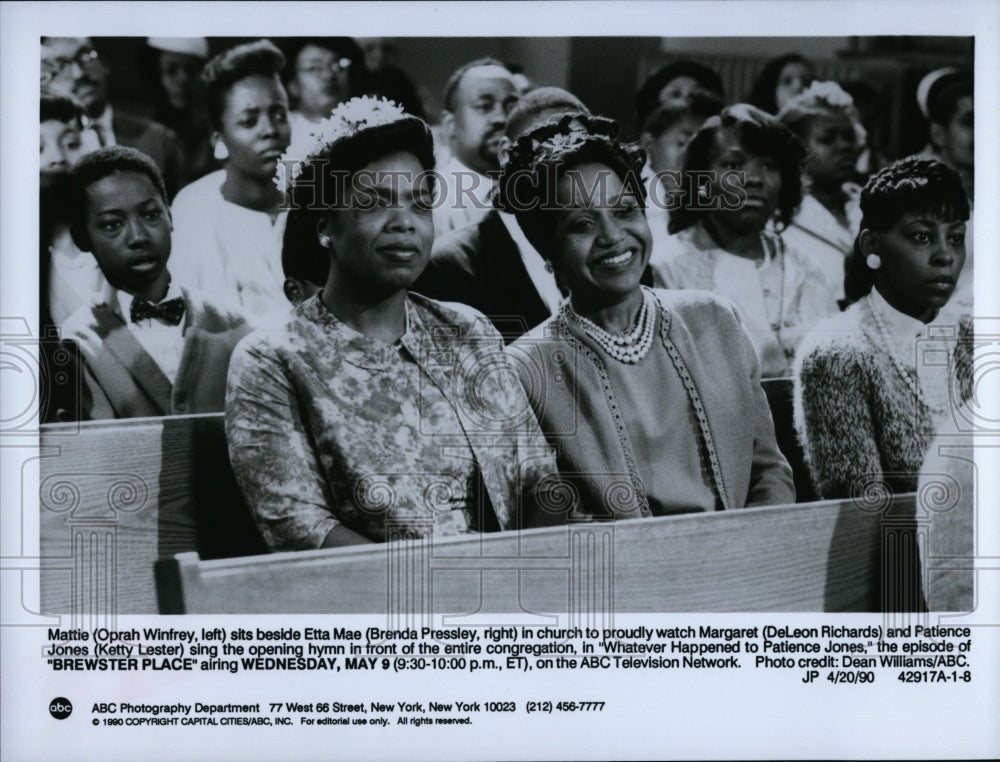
column 628, row 347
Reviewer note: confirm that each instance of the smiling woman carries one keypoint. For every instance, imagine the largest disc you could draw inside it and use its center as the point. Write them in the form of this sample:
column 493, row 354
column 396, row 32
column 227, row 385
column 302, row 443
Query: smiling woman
column 375, row 414
column 631, row 384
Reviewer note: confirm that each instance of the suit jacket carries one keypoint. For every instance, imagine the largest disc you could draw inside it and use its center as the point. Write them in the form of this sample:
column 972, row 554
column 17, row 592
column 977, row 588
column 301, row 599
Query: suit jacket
column 480, row 266
column 570, row 393
column 154, row 140
column 121, row 380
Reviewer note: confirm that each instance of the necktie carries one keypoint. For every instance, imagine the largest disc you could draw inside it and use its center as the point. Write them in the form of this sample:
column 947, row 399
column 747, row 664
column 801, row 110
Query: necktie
column 171, row 311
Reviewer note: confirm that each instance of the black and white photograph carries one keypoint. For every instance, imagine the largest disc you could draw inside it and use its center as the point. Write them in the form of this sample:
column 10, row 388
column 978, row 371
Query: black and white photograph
column 444, row 380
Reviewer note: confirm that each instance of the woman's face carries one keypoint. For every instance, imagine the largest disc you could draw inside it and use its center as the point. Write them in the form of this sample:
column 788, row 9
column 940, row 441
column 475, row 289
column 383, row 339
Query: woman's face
column 602, row 239
column 255, row 126
column 922, row 257
column 381, row 240
column 745, row 185
column 793, row 80
column 666, row 152
column 61, row 146
column 957, row 137
column 321, row 80
column 180, row 78
column 832, row 149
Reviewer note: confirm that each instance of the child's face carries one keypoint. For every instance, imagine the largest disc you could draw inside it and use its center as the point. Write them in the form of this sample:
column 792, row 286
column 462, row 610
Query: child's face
column 128, row 224
column 61, row 146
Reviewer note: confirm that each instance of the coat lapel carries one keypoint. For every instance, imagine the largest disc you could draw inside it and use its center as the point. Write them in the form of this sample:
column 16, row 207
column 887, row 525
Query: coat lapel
column 120, row 342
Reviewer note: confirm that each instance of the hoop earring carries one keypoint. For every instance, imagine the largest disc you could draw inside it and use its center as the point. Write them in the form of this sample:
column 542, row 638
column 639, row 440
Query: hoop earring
column 874, row 261
column 220, row 151
column 324, row 241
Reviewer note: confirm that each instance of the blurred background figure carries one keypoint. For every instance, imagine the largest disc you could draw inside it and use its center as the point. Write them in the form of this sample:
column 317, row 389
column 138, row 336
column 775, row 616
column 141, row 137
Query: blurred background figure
column 322, row 73
column 477, row 99
column 664, row 136
column 674, row 84
column 171, row 68
column 824, row 228
column 72, row 67
column 229, row 224
column 742, row 172
column 781, row 80
column 68, row 275
column 870, row 105
column 945, row 97
column 386, row 78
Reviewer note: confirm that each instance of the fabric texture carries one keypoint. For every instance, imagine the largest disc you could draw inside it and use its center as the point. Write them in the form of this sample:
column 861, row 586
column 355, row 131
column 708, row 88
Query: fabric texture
column 822, row 240
column 779, row 299
column 480, row 266
column 327, row 426
column 861, row 423
column 121, row 379
column 231, row 251
column 573, row 395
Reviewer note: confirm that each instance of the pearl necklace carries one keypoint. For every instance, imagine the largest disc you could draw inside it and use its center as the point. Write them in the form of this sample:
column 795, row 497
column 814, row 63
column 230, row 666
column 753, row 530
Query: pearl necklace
column 628, row 347
column 911, row 378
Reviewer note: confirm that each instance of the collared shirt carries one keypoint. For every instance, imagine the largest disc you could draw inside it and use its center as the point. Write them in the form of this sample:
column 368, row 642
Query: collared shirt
column 779, row 299
column 453, row 210
column 162, row 341
column 543, row 280
column 822, row 240
column 229, row 251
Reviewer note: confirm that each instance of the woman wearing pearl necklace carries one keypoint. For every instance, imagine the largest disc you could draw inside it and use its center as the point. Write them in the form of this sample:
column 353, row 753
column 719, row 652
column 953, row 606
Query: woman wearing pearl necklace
column 651, row 398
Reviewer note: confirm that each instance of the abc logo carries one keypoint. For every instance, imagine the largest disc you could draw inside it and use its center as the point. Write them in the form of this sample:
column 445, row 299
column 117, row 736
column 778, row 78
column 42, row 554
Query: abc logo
column 60, row 708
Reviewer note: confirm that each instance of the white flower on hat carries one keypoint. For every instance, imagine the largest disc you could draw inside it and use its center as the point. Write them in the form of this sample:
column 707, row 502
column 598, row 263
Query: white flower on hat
column 347, row 120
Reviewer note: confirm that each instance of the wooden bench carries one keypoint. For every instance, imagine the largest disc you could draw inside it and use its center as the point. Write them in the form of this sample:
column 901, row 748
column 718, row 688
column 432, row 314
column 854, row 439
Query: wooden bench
column 118, row 495
column 817, row 557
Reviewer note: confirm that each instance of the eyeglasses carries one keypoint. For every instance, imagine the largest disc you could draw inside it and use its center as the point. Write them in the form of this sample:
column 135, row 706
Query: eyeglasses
column 57, row 68
column 318, row 69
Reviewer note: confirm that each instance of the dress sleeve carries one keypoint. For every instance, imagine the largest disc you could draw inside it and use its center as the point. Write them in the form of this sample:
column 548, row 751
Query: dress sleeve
column 834, row 421
column 271, row 452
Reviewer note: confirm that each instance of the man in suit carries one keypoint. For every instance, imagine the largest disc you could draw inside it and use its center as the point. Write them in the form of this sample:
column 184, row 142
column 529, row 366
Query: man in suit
column 148, row 346
column 490, row 265
column 71, row 66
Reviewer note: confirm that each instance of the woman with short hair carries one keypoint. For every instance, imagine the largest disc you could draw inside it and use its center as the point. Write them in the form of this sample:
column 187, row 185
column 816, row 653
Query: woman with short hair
column 229, row 224
column 742, row 180
column 374, row 413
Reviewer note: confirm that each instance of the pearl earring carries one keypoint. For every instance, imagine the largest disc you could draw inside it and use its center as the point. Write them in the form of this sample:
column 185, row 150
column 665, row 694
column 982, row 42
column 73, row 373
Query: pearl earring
column 220, row 152
column 324, row 241
column 548, row 266
column 874, row 261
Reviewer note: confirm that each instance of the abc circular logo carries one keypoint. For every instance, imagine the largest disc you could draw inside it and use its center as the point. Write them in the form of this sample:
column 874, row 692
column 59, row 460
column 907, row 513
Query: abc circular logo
column 60, row 708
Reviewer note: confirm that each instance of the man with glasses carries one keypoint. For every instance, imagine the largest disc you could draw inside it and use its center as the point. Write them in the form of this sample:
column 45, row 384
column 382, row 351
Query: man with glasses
column 70, row 66
column 322, row 75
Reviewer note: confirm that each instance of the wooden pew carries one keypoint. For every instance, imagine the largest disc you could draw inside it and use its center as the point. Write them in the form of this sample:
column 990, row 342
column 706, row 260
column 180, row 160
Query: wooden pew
column 819, row 557
column 779, row 398
column 117, row 495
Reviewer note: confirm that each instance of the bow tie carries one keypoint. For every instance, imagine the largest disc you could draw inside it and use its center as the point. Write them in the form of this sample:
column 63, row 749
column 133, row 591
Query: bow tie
column 171, row 311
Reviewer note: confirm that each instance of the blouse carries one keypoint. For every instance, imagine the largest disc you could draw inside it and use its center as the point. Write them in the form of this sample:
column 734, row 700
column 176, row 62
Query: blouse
column 426, row 436
column 779, row 299
column 822, row 240
column 229, row 251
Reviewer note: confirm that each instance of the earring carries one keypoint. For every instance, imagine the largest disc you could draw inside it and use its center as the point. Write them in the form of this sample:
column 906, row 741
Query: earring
column 548, row 266
column 324, row 241
column 874, row 261
column 220, row 152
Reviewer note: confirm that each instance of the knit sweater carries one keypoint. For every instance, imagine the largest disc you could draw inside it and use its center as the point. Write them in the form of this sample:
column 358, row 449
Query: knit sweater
column 861, row 423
